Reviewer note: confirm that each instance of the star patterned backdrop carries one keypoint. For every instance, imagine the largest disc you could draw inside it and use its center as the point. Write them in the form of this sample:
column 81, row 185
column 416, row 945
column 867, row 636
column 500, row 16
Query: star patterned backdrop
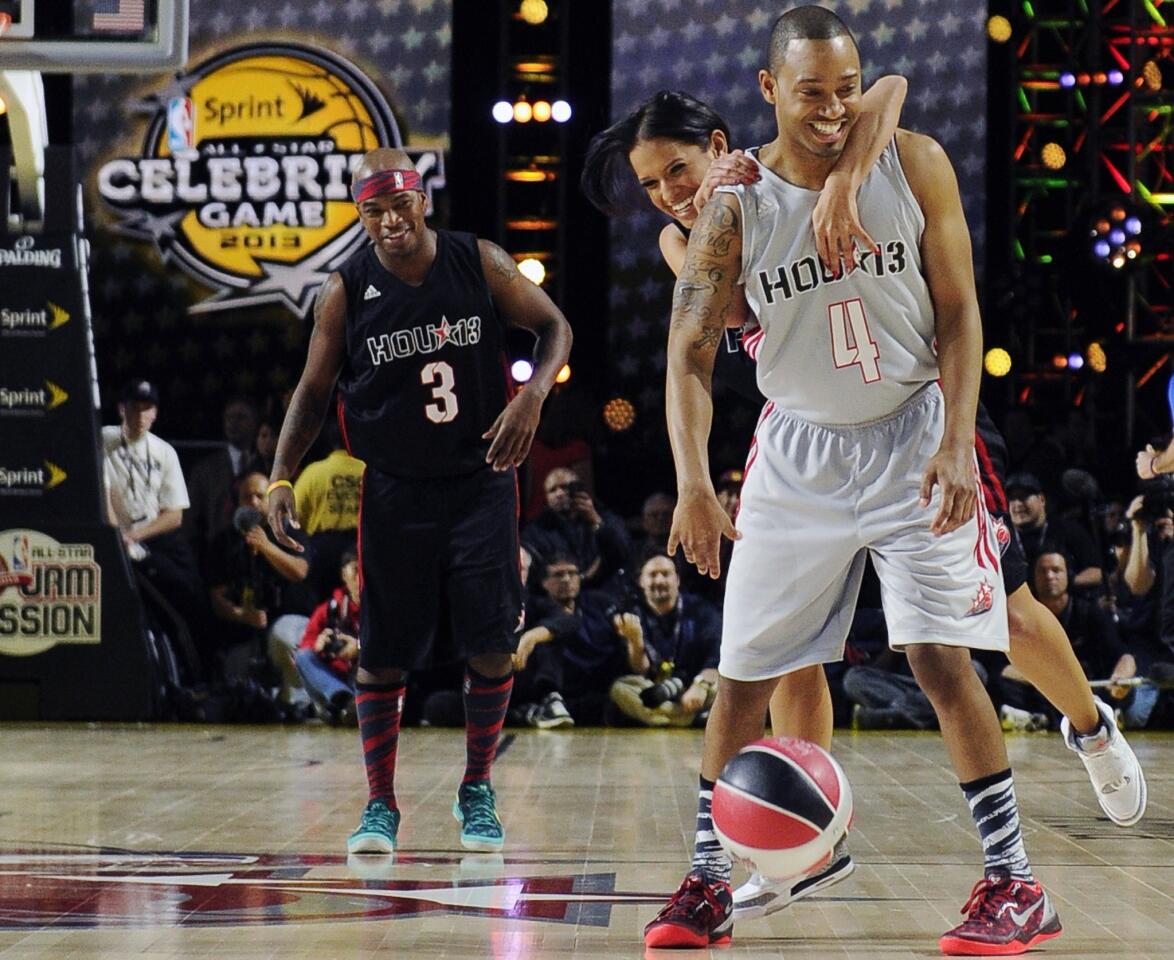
column 141, row 323
column 713, row 50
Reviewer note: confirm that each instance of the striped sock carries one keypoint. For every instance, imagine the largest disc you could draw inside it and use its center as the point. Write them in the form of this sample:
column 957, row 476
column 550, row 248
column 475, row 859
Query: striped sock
column 709, row 859
column 992, row 804
column 486, row 702
column 379, row 708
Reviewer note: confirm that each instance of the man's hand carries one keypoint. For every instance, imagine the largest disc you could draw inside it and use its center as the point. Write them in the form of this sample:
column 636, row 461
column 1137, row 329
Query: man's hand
column 952, row 470
column 693, row 699
column 526, row 644
column 836, row 221
column 1134, row 509
column 699, row 523
column 281, row 510
column 252, row 617
column 350, row 648
column 513, row 431
column 728, row 170
column 583, row 506
column 256, row 539
column 627, row 625
column 1145, row 462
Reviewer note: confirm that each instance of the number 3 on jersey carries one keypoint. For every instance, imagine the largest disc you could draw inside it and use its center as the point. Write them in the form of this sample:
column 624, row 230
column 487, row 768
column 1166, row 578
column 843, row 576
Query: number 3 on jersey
column 439, row 376
column 852, row 343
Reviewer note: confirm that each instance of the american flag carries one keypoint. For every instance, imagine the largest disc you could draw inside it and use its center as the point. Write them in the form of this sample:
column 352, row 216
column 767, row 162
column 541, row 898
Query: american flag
column 120, row 16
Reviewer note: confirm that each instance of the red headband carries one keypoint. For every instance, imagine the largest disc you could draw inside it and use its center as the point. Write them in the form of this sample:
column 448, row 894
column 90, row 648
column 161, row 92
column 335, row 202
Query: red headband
column 385, row 181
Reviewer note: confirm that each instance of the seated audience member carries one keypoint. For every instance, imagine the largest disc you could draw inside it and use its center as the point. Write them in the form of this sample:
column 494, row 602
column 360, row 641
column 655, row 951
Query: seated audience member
column 326, row 493
column 679, row 636
column 1036, row 527
column 1090, row 629
column 253, row 583
column 213, row 479
column 329, row 651
column 656, row 520
column 146, row 499
column 569, row 652
column 572, row 525
column 267, row 435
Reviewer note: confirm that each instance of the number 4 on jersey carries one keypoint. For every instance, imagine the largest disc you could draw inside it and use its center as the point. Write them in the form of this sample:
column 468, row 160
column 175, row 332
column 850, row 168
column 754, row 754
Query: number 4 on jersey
column 852, row 343
column 440, row 374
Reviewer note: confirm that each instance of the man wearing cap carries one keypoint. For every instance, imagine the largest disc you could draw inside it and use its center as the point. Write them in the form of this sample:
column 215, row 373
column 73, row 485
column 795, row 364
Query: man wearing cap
column 412, row 328
column 146, row 497
column 1029, row 513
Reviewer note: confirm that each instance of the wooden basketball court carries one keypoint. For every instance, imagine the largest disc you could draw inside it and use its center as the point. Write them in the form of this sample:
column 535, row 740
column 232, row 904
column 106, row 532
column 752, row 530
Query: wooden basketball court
column 168, row 841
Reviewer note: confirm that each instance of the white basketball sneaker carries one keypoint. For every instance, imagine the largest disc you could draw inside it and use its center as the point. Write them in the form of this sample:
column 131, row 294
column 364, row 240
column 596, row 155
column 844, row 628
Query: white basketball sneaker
column 760, row 897
column 1112, row 767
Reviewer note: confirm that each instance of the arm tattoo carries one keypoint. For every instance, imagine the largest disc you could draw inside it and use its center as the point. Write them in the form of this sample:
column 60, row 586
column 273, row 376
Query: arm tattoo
column 501, row 263
column 702, row 297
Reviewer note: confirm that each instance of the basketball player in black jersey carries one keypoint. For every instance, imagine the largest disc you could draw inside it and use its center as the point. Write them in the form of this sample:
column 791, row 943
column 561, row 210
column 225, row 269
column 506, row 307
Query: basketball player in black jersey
column 412, row 328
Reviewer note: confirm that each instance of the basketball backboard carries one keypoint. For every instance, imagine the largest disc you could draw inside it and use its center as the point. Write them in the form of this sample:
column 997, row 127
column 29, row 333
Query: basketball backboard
column 94, row 36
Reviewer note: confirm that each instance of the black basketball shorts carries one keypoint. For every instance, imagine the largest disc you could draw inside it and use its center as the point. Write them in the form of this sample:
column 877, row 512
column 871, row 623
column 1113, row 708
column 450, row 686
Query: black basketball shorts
column 439, row 560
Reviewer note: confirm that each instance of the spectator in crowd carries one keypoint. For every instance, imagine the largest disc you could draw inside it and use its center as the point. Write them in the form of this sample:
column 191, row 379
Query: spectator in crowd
column 329, row 650
column 885, row 696
column 656, row 520
column 1029, row 513
column 563, row 440
column 267, row 434
column 326, row 494
column 1091, row 630
column 252, row 580
column 572, row 525
column 571, row 651
column 146, row 499
column 679, row 636
column 213, row 479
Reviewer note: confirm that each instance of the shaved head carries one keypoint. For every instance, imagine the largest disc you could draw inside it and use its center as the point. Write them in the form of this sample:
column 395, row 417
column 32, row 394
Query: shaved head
column 380, row 159
column 803, row 23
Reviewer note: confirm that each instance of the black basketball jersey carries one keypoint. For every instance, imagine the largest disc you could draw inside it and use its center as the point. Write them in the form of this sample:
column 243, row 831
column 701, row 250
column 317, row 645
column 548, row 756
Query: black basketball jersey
column 991, row 450
column 424, row 374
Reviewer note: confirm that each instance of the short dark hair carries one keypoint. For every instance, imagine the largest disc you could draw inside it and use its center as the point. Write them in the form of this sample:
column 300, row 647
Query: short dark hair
column 348, row 556
column 666, row 115
column 559, row 558
column 803, row 23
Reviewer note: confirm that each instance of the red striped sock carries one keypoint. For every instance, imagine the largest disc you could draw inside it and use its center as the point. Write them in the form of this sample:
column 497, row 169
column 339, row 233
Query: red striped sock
column 486, row 702
column 380, row 708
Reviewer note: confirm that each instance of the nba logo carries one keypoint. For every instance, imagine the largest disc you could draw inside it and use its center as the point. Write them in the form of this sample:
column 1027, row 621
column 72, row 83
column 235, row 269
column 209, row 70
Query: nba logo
column 181, row 125
column 399, row 180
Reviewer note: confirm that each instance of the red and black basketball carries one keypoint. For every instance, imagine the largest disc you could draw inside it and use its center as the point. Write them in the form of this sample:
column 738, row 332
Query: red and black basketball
column 783, row 804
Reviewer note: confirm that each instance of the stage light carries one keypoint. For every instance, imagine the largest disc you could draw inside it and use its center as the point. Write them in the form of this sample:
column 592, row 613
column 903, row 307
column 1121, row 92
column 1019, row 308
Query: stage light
column 541, row 111
column 534, row 12
column 1117, row 237
column 533, row 270
column 1059, row 361
column 521, row 371
column 997, row 362
column 560, row 111
column 1151, row 76
column 1116, row 78
column 1097, row 361
column 503, row 111
column 564, row 374
column 1053, row 156
column 619, row 414
column 523, row 111
column 1132, row 226
column 529, row 174
column 1102, row 249
column 1075, row 361
column 998, row 28
column 1067, row 80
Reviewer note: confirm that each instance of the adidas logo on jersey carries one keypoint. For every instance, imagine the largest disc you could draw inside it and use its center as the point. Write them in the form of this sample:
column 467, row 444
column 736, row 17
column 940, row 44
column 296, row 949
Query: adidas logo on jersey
column 371, row 292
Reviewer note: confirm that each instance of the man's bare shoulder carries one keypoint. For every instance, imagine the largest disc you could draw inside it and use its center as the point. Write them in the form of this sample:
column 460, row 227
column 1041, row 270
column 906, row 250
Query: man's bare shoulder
column 925, row 162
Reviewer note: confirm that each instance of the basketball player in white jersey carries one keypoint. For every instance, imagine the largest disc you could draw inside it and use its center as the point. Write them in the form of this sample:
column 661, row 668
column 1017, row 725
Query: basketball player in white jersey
column 858, row 448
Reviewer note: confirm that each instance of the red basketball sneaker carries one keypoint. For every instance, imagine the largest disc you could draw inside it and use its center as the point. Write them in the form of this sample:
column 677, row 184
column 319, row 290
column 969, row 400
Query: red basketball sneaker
column 700, row 913
column 1003, row 917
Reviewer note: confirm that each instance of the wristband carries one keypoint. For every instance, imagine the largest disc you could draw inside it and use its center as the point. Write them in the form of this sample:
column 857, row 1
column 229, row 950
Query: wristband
column 277, row 483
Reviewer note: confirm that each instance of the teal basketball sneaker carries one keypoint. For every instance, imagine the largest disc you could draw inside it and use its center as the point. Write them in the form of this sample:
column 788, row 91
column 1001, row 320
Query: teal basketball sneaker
column 476, row 810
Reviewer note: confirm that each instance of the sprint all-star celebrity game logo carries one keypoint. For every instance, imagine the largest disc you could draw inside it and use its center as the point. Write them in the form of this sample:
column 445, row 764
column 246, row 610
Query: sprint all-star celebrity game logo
column 244, row 177
column 50, row 593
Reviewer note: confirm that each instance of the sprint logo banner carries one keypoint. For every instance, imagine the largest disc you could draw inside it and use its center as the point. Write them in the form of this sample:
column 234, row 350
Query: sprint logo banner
column 50, row 593
column 31, row 401
column 32, row 321
column 30, row 481
column 244, row 174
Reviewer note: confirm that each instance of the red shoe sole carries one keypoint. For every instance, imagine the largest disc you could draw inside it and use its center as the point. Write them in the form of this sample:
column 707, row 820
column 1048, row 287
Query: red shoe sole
column 669, row 936
column 959, row 947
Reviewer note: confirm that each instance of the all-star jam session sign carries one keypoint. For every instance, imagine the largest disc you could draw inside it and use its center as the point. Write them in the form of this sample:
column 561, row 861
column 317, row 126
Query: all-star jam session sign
column 244, row 177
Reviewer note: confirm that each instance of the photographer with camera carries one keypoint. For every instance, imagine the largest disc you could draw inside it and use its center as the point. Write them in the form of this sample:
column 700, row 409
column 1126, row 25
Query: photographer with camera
column 329, row 650
column 1036, row 528
column 573, row 525
column 676, row 636
column 254, row 591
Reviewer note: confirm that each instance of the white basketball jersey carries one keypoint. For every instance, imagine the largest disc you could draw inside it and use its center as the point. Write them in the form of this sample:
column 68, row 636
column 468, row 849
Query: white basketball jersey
column 837, row 351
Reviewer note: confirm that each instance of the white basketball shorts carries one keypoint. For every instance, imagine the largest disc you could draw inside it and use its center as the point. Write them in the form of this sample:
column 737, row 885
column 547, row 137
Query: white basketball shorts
column 815, row 498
